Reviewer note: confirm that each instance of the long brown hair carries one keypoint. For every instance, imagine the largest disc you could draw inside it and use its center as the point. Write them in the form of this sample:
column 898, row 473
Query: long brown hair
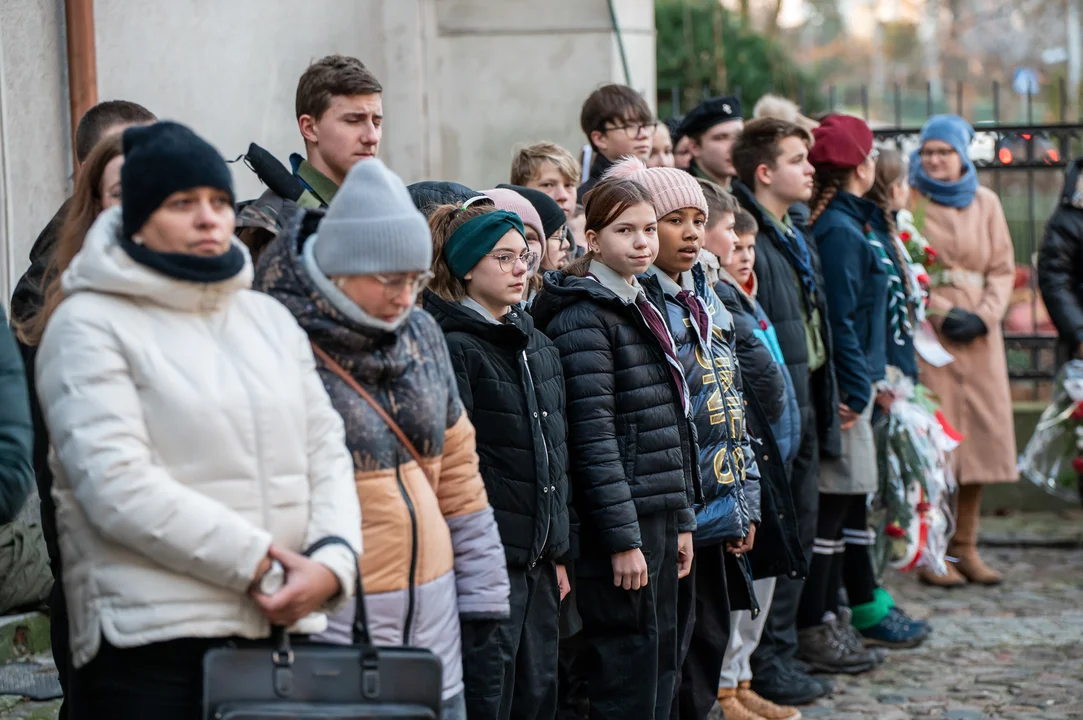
column 83, row 209
column 890, row 169
column 443, row 222
column 604, row 204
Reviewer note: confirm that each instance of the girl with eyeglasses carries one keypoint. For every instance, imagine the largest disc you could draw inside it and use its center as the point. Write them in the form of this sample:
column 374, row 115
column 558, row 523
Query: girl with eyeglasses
column 512, row 386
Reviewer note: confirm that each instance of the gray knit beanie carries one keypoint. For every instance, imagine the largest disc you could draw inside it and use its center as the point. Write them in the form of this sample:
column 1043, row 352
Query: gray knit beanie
column 372, row 226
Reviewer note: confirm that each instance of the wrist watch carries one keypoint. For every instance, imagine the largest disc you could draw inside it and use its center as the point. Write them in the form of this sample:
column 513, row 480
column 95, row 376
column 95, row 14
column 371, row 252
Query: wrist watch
column 273, row 580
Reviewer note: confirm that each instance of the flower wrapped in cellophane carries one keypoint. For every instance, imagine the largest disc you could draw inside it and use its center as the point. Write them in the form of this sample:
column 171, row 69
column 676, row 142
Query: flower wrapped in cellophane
column 1052, row 459
column 911, row 513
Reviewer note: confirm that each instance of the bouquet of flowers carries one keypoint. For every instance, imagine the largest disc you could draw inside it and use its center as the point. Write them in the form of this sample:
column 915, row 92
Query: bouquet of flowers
column 922, row 258
column 1052, row 459
column 911, row 512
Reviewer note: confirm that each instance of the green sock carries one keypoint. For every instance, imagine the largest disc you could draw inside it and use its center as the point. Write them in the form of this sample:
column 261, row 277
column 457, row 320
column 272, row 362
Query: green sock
column 870, row 613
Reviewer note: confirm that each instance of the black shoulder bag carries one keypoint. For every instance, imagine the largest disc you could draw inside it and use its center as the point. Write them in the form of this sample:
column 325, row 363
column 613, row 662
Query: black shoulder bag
column 279, row 681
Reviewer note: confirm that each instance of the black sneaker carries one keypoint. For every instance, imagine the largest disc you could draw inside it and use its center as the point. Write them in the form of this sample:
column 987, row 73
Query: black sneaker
column 787, row 686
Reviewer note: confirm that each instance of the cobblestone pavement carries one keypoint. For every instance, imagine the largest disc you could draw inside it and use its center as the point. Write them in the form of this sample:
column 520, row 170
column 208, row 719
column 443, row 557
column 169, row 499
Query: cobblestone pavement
column 1013, row 652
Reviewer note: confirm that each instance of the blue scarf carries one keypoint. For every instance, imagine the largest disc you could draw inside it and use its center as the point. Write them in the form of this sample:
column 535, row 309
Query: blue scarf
column 958, row 133
column 794, row 243
column 958, row 194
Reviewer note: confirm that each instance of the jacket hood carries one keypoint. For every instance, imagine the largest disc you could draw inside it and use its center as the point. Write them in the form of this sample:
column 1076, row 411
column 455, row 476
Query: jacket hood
column 562, row 290
column 365, row 352
column 513, row 333
column 103, row 266
column 1071, row 179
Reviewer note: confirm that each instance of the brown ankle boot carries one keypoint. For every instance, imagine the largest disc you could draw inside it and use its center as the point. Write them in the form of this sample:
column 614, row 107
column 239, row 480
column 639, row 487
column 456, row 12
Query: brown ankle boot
column 964, row 544
column 732, row 707
column 952, row 578
column 764, row 707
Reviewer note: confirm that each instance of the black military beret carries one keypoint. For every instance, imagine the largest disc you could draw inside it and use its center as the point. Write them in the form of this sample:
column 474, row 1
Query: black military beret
column 709, row 113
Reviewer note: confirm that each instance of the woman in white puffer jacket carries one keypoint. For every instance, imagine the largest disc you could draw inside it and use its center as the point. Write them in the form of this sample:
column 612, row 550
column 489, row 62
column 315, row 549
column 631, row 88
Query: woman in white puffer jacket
column 193, row 442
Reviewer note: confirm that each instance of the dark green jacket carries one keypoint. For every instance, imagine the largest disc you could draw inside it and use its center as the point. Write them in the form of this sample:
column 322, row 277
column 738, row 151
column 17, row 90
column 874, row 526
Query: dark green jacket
column 16, row 432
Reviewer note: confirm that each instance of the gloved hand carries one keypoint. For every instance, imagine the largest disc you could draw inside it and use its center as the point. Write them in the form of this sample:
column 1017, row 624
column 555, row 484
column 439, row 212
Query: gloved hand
column 963, row 326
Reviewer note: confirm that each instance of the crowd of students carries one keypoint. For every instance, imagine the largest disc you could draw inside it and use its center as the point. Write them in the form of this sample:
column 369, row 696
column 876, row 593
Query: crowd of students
column 602, row 438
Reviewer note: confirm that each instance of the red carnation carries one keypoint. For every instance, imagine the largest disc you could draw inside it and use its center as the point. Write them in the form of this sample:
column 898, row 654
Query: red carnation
column 931, row 254
column 924, row 279
column 923, row 507
column 894, row 531
column 905, row 236
column 1077, row 465
column 1077, row 413
column 763, row 325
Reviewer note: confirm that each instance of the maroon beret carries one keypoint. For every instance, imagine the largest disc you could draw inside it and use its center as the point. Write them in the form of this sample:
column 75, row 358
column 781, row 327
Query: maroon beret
column 842, row 141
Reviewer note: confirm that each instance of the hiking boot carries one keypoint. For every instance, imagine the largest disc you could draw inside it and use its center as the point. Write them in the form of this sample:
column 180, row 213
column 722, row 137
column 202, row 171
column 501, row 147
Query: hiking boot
column 788, row 686
column 854, row 642
column 732, row 709
column 763, row 707
column 826, row 649
column 895, row 631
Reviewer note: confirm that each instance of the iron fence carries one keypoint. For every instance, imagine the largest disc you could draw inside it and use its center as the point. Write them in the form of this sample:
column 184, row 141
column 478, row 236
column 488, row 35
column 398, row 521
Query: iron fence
column 1023, row 144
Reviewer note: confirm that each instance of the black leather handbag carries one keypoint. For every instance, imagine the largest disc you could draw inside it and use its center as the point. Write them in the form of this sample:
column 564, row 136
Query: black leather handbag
column 284, row 680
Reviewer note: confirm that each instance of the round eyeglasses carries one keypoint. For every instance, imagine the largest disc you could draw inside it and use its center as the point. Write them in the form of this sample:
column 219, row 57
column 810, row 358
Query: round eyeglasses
column 394, row 285
column 507, row 260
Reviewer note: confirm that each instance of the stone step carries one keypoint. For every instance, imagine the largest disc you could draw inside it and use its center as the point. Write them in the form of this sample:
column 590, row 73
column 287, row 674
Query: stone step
column 22, row 636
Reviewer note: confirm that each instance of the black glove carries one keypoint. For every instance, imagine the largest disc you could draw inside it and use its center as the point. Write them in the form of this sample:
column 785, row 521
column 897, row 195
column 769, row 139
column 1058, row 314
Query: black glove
column 963, row 326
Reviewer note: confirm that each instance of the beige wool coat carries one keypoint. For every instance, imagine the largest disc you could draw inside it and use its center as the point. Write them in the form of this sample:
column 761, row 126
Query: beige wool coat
column 974, row 388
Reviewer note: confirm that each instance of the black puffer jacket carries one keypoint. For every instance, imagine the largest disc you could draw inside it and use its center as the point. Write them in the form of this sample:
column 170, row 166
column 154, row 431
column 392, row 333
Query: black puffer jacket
column 785, row 306
column 777, row 550
column 1060, row 264
column 632, row 449
column 511, row 382
column 760, row 374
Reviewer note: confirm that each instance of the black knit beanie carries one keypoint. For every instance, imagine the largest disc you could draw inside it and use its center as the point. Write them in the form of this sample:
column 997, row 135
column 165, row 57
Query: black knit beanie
column 162, row 159
column 552, row 216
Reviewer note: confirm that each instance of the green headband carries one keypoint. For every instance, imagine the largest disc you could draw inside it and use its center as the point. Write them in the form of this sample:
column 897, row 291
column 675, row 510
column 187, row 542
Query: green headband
column 475, row 238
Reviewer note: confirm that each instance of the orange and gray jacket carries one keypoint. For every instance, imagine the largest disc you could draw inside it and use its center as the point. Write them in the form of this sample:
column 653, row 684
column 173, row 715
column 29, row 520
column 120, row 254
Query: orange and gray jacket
column 432, row 551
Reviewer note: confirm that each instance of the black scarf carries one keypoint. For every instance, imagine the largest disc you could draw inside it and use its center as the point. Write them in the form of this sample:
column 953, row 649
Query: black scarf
column 192, row 268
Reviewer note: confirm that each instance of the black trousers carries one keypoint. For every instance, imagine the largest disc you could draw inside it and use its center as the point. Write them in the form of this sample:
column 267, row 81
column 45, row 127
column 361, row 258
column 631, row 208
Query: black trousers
column 708, row 637
column 821, row 593
column 512, row 673
column 630, row 636
column 60, row 640
column 778, row 645
column 161, row 681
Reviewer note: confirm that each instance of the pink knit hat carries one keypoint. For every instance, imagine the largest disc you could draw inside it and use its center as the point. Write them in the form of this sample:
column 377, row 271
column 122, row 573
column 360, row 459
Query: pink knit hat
column 514, row 202
column 671, row 189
